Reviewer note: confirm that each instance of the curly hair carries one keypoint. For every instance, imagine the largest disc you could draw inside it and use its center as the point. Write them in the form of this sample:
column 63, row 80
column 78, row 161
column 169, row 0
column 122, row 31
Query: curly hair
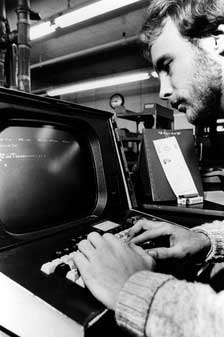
column 194, row 18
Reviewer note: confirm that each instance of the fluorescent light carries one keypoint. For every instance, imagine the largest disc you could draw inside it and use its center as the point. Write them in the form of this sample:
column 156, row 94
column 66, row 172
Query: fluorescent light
column 90, row 11
column 41, row 30
column 76, row 16
column 100, row 83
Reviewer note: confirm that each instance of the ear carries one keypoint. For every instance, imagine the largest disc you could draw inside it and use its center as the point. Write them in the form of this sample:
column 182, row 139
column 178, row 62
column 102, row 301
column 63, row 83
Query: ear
column 214, row 43
column 219, row 40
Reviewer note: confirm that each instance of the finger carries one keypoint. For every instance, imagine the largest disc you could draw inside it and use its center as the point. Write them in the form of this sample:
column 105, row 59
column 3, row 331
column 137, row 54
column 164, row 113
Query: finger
column 95, row 239
column 139, row 250
column 80, row 261
column 145, row 225
column 86, row 248
column 112, row 239
column 114, row 244
column 150, row 260
column 139, row 226
column 151, row 234
column 82, row 264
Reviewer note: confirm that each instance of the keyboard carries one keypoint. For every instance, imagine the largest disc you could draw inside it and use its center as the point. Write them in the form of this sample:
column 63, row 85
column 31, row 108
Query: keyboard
column 63, row 264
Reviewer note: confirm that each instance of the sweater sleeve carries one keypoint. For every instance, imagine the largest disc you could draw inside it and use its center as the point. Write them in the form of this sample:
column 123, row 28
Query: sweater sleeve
column 215, row 232
column 156, row 305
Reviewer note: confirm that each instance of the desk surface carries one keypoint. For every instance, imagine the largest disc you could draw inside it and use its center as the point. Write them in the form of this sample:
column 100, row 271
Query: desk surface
column 136, row 117
column 188, row 216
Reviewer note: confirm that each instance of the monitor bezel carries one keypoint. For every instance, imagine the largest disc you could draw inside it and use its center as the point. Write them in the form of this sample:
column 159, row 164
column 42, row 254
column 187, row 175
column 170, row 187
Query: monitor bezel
column 71, row 126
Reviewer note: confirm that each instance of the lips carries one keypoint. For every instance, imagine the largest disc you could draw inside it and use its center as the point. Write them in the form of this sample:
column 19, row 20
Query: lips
column 181, row 108
column 179, row 105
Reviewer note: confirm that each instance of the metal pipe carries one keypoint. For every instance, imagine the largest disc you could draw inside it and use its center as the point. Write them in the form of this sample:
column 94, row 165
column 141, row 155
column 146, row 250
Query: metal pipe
column 13, row 67
column 3, row 42
column 23, row 24
column 2, row 9
column 86, row 52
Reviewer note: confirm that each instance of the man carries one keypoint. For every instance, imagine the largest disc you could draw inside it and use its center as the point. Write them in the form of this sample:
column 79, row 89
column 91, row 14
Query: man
column 186, row 41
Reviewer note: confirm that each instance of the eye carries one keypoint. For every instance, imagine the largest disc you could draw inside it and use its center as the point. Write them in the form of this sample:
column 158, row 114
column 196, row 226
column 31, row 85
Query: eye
column 167, row 66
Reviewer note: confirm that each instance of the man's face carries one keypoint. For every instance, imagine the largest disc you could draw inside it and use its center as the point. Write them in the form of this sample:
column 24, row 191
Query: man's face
column 189, row 77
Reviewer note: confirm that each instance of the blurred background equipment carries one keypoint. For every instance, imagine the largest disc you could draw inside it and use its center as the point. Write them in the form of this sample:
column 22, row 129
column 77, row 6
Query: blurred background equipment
column 153, row 116
column 209, row 143
column 15, row 47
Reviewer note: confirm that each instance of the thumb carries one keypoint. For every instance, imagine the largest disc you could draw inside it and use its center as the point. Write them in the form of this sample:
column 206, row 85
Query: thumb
column 151, row 263
column 162, row 253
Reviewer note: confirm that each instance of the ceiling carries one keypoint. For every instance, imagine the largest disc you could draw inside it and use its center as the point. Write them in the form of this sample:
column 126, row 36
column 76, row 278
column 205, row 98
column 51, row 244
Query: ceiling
column 98, row 47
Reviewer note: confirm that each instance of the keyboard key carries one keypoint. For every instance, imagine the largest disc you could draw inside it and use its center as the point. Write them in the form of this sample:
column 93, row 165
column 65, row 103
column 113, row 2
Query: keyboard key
column 64, row 258
column 62, row 269
column 73, row 275
column 46, row 268
column 66, row 250
column 58, row 253
column 80, row 282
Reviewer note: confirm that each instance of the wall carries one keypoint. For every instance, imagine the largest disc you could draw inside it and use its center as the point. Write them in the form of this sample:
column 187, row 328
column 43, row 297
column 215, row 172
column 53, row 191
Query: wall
column 136, row 95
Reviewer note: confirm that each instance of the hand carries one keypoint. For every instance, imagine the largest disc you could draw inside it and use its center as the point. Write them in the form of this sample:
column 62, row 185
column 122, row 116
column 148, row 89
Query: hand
column 183, row 243
column 105, row 264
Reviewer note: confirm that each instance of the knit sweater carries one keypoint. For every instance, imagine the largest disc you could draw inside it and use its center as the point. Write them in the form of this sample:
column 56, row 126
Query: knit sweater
column 158, row 305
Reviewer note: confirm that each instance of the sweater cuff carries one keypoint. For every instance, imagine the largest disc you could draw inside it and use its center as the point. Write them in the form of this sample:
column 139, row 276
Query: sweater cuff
column 215, row 232
column 135, row 299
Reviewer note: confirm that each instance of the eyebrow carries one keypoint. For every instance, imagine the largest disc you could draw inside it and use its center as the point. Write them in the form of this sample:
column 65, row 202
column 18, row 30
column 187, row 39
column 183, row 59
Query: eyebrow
column 160, row 62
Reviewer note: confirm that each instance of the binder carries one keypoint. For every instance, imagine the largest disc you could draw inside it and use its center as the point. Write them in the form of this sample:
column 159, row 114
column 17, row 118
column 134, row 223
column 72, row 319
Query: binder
column 151, row 181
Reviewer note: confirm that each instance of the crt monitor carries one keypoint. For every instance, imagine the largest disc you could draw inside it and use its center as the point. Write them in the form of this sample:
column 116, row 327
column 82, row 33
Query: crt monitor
column 59, row 165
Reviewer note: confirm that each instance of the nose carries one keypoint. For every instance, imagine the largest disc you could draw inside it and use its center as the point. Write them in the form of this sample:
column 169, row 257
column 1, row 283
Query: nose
column 166, row 89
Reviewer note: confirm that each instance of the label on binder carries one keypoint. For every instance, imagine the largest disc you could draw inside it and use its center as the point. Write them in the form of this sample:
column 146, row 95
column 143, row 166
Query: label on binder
column 175, row 167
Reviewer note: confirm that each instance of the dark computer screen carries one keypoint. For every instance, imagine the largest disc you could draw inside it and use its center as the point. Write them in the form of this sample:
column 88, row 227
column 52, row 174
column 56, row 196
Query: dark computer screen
column 47, row 177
